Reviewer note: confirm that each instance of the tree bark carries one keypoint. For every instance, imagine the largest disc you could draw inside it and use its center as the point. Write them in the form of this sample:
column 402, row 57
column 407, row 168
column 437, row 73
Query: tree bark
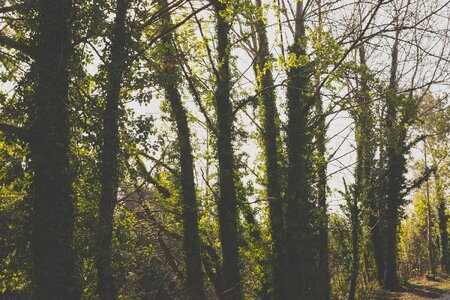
column 395, row 149
column 324, row 272
column 271, row 150
column 354, row 218
column 191, row 238
column 53, row 200
column 227, row 202
column 107, row 287
column 301, row 264
column 442, row 215
column 366, row 142
column 431, row 264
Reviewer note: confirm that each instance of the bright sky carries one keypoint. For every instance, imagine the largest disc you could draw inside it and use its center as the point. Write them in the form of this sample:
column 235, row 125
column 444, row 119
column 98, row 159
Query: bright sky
column 340, row 130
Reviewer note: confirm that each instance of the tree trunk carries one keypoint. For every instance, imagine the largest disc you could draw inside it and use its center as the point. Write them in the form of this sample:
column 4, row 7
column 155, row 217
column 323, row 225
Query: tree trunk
column 300, row 261
column 53, row 203
column 107, row 288
column 442, row 215
column 366, row 141
column 191, row 238
column 271, row 150
column 355, row 253
column 324, row 272
column 377, row 244
column 431, row 265
column 227, row 202
column 394, row 172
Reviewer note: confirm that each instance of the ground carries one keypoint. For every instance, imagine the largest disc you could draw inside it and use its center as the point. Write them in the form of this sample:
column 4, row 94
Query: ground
column 418, row 289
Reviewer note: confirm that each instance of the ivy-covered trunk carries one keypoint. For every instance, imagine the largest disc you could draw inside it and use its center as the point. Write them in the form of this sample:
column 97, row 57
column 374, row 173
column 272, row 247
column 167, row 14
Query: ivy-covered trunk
column 271, row 150
column 169, row 81
column 442, row 220
column 324, row 273
column 300, row 263
column 395, row 149
column 107, row 288
column 227, row 202
column 53, row 200
column 321, row 165
column 366, row 143
column 352, row 204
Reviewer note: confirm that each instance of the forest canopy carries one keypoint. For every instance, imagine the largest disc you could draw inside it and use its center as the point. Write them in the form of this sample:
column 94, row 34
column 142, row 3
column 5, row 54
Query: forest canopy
column 223, row 149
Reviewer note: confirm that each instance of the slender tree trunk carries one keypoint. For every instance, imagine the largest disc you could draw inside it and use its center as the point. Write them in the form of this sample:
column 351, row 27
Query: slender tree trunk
column 191, row 238
column 442, row 223
column 377, row 244
column 53, row 203
column 431, row 265
column 366, row 141
column 391, row 281
column 354, row 215
column 107, row 288
column 353, row 199
column 395, row 181
column 324, row 276
column 227, row 202
column 361, row 115
column 301, row 264
column 324, row 272
column 271, row 150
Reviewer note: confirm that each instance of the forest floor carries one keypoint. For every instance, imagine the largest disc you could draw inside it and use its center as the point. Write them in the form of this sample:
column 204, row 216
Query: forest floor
column 418, row 289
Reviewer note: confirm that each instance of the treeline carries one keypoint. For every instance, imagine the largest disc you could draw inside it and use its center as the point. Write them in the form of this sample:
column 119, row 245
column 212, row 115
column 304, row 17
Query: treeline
column 185, row 149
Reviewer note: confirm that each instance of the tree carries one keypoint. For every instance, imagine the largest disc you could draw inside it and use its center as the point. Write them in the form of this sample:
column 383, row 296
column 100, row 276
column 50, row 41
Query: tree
column 143, row 143
column 394, row 171
column 53, row 200
column 271, row 138
column 169, row 81
column 227, row 202
column 351, row 196
column 110, row 148
column 433, row 126
column 322, row 186
column 443, row 221
column 431, row 262
column 366, row 178
column 299, row 210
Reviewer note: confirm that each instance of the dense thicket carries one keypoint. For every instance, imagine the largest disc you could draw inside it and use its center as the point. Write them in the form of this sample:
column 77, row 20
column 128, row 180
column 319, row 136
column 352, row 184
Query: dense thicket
column 222, row 149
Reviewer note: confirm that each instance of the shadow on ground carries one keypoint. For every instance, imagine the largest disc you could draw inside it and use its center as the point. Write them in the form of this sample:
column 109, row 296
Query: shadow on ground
column 424, row 291
column 431, row 290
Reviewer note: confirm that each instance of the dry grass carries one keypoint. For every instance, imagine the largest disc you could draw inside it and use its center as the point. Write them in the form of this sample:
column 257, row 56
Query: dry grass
column 416, row 289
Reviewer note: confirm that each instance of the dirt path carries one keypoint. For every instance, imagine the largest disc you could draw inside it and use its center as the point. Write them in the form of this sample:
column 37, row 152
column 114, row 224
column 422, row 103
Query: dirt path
column 418, row 289
column 446, row 296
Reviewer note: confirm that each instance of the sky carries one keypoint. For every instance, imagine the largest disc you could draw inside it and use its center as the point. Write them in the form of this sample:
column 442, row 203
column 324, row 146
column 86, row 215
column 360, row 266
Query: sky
column 340, row 130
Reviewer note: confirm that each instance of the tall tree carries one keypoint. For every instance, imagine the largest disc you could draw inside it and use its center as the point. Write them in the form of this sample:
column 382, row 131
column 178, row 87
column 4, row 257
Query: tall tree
column 352, row 197
column 321, row 133
column 431, row 264
column 170, row 80
column 53, row 200
column 227, row 202
column 110, row 148
column 395, row 168
column 366, row 165
column 271, row 137
column 442, row 220
column 300, row 269
column 434, row 114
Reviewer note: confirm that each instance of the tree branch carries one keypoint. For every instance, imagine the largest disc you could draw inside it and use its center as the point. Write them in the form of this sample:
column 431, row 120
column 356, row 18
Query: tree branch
column 18, row 132
column 418, row 181
column 8, row 42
